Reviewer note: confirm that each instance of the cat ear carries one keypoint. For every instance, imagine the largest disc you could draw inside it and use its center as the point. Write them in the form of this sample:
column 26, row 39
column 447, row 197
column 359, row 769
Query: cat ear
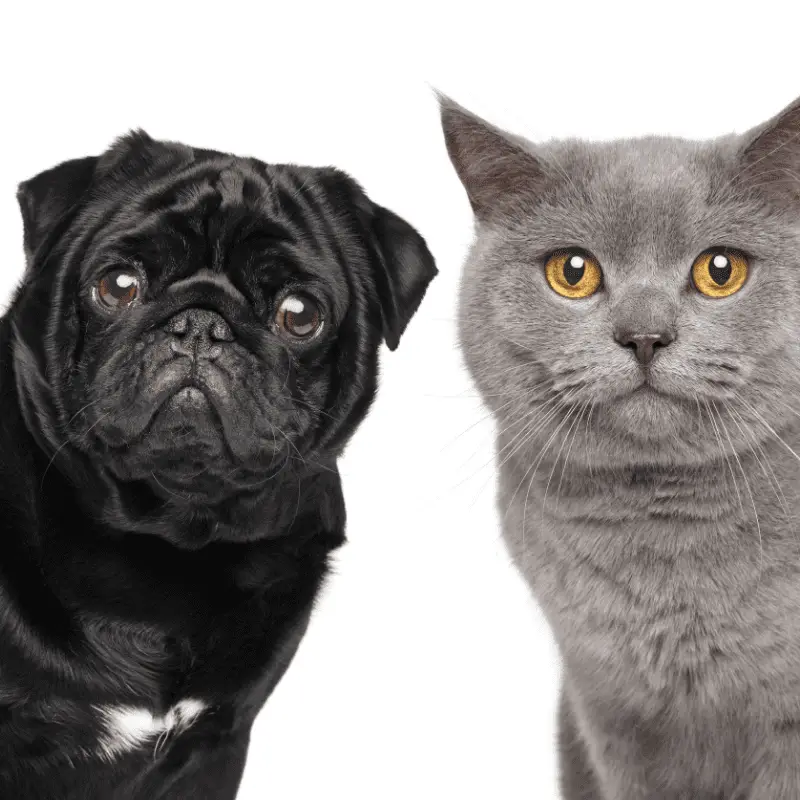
column 495, row 168
column 771, row 156
column 48, row 197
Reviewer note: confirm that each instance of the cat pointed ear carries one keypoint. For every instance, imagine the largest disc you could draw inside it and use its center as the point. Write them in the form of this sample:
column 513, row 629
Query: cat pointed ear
column 771, row 156
column 48, row 197
column 493, row 166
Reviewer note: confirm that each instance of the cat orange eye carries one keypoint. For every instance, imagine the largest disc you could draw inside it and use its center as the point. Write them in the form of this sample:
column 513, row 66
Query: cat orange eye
column 573, row 273
column 719, row 272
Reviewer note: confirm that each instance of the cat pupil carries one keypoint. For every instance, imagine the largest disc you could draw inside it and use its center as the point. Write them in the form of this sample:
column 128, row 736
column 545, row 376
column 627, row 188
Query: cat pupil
column 720, row 269
column 574, row 269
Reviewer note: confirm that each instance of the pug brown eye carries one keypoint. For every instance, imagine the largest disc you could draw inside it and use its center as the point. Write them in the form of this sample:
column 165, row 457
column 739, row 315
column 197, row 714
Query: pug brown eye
column 118, row 289
column 299, row 317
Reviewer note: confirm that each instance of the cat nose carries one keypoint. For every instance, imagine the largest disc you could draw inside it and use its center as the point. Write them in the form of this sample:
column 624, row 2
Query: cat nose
column 644, row 344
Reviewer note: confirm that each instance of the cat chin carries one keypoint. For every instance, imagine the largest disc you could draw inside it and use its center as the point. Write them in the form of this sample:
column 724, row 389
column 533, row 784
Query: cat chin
column 649, row 416
column 647, row 428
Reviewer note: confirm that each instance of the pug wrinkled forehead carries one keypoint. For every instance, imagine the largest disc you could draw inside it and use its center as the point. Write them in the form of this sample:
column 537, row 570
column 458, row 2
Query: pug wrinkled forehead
column 193, row 324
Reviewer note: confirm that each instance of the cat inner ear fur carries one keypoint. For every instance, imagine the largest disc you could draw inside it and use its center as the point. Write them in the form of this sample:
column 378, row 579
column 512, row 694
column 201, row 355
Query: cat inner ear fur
column 770, row 158
column 497, row 169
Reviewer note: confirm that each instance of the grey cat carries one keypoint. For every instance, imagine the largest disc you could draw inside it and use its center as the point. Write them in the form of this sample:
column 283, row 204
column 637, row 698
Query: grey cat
column 630, row 312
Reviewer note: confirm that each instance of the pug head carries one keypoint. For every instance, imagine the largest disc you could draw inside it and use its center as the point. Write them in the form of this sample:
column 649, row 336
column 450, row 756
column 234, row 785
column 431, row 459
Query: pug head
column 193, row 325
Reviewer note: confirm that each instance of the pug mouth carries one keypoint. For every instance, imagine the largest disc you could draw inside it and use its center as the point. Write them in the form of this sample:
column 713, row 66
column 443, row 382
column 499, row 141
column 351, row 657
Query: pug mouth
column 186, row 411
column 186, row 407
column 184, row 449
column 191, row 402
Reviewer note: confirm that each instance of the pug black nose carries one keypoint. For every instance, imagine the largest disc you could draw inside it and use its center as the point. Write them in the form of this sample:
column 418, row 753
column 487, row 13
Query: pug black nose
column 645, row 344
column 198, row 332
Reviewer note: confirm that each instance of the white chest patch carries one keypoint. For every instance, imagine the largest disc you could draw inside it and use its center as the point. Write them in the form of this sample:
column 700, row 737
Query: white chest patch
column 126, row 728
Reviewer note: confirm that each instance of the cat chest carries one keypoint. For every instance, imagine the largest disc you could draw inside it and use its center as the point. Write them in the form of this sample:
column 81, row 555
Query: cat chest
column 640, row 610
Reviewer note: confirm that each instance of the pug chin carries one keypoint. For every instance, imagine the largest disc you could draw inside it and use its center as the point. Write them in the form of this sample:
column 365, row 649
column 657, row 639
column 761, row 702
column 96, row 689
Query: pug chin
column 184, row 448
column 184, row 451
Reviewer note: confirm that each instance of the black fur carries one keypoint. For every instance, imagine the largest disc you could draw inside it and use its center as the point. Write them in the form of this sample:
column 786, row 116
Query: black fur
column 153, row 549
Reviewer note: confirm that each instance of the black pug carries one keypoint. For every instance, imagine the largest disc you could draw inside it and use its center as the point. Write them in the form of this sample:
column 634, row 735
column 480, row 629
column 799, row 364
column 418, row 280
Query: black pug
column 193, row 343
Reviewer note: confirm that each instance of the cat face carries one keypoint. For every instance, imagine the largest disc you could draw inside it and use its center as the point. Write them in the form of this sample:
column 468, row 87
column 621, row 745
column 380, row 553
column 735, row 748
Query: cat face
column 640, row 297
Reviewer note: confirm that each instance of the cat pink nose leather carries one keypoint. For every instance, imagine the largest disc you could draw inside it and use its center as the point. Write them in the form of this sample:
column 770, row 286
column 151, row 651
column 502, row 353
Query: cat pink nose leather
column 645, row 344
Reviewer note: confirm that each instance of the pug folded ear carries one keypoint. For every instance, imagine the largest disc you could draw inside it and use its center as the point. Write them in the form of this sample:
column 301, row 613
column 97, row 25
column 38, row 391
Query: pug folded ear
column 48, row 197
column 403, row 264
column 405, row 267
column 51, row 196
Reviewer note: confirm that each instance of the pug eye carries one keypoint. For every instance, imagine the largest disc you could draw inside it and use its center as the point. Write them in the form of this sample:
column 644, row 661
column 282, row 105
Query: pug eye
column 299, row 317
column 573, row 273
column 118, row 289
column 719, row 272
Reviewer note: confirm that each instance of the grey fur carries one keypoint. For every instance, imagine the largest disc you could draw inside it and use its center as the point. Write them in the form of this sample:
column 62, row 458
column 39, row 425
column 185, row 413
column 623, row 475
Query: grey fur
column 658, row 531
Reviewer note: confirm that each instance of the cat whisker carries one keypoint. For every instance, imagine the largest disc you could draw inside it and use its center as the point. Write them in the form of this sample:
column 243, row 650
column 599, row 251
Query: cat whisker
column 583, row 410
column 535, row 468
column 761, row 419
column 465, row 395
column 766, row 467
column 788, row 407
column 588, row 423
column 539, row 394
column 538, row 425
column 544, row 403
column 722, row 452
column 559, row 404
column 489, row 413
column 749, row 492
column 555, row 464
column 529, row 430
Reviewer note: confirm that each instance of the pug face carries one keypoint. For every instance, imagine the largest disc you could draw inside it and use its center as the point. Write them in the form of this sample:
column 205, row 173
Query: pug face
column 192, row 325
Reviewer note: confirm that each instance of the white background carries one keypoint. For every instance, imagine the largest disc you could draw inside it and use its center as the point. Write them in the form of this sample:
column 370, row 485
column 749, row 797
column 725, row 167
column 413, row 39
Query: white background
column 427, row 671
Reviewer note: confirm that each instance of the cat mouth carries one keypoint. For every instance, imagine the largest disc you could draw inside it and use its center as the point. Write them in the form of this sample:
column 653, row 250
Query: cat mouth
column 657, row 396
column 647, row 388
column 647, row 391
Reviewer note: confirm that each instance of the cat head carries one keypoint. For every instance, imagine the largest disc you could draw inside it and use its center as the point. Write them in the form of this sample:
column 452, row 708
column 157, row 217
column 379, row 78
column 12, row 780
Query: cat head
column 643, row 294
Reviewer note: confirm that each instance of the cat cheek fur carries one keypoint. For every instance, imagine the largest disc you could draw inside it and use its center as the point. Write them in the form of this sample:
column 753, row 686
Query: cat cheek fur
column 665, row 557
